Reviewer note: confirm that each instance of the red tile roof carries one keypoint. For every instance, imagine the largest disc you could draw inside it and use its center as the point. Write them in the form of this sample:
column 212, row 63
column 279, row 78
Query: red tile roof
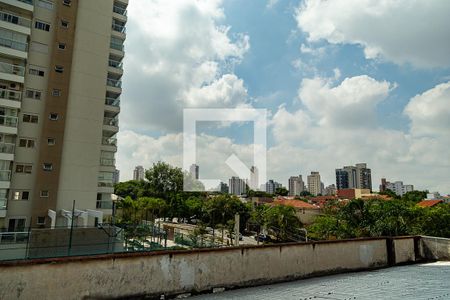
column 429, row 203
column 295, row 204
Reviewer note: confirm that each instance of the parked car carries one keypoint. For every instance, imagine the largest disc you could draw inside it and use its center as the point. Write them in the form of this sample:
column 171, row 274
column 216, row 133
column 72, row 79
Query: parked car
column 263, row 238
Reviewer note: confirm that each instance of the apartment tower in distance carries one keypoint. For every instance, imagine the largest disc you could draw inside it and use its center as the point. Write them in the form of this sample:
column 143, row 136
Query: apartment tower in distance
column 60, row 84
column 139, row 173
column 354, row 177
column 314, row 183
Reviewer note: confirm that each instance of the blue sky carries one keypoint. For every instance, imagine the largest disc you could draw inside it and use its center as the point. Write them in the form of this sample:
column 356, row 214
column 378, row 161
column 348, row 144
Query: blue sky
column 344, row 82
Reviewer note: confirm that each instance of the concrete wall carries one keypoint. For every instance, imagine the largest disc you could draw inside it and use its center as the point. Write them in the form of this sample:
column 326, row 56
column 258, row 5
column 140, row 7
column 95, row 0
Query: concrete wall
column 114, row 276
column 434, row 248
column 404, row 250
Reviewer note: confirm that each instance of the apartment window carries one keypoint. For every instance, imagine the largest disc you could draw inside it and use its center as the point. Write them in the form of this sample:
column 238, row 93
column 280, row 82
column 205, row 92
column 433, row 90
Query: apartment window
column 40, row 221
column 67, row 2
column 37, row 71
column 44, row 194
column 26, row 143
column 56, row 93
column 64, row 24
column 59, row 69
column 45, row 4
column 42, row 25
column 21, row 196
column 24, row 168
column 47, row 166
column 33, row 94
column 51, row 141
column 28, row 118
column 53, row 116
column 61, row 46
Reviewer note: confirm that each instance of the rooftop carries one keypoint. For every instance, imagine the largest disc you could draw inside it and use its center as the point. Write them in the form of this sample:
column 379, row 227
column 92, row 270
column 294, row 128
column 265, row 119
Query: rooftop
column 295, row 203
column 391, row 283
column 429, row 203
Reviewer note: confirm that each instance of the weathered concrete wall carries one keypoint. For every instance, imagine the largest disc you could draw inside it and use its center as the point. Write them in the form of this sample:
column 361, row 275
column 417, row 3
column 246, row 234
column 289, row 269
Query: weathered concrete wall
column 404, row 250
column 114, row 276
column 435, row 248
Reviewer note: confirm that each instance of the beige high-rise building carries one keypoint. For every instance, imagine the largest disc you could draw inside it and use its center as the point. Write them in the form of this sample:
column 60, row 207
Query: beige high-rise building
column 314, row 183
column 60, row 85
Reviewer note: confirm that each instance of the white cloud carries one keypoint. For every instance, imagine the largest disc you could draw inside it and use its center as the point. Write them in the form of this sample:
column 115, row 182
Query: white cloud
column 178, row 50
column 332, row 129
column 430, row 112
column 402, row 31
column 271, row 3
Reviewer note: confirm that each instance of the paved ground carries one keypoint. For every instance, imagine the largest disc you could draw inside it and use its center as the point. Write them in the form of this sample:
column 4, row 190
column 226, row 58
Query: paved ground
column 424, row 281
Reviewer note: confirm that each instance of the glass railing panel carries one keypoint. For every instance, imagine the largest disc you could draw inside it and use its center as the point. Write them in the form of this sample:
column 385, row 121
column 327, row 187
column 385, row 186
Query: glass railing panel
column 12, row 69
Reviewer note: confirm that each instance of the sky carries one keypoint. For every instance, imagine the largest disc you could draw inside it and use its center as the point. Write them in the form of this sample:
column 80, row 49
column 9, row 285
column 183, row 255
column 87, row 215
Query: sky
column 343, row 82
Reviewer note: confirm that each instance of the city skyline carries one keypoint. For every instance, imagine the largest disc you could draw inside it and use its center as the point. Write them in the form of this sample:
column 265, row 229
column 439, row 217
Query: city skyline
column 333, row 97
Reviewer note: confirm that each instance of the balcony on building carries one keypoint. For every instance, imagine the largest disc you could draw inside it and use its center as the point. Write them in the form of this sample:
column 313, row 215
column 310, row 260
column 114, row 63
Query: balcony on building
column 117, row 47
column 113, row 83
column 110, row 122
column 5, row 178
column 13, row 44
column 109, row 141
column 12, row 72
column 13, row 21
column 112, row 102
column 25, row 6
column 120, row 11
column 104, row 204
column 115, row 65
column 7, row 151
column 3, row 207
column 118, row 28
column 8, row 124
column 9, row 97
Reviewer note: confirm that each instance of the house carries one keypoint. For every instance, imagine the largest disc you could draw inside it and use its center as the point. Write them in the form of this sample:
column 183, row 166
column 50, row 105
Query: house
column 304, row 211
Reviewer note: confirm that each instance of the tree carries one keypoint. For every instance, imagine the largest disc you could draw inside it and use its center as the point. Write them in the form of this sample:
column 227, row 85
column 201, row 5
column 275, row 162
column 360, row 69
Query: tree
column 305, row 194
column 281, row 191
column 156, row 206
column 164, row 181
column 132, row 188
column 415, row 196
column 283, row 221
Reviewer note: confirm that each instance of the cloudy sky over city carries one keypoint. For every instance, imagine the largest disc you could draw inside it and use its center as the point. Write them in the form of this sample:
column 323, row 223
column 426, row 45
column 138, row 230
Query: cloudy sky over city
column 343, row 82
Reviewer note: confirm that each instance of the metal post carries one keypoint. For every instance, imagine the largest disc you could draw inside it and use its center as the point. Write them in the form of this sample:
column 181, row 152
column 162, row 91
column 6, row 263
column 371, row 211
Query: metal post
column 27, row 253
column 236, row 230
column 71, row 229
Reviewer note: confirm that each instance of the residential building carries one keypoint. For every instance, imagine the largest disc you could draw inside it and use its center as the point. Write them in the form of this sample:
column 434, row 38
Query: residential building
column 194, row 171
column 330, row 190
column 116, row 176
column 139, row 173
column 254, row 179
column 296, row 185
column 355, row 194
column 223, row 188
column 60, row 85
column 354, row 177
column 271, row 186
column 304, row 211
column 237, row 186
column 398, row 187
column 314, row 183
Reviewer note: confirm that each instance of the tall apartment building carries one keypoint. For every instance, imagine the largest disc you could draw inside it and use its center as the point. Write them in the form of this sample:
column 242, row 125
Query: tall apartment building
column 296, row 185
column 314, row 183
column 237, row 186
column 254, row 178
column 60, row 85
column 194, row 170
column 139, row 173
column 354, row 177
column 397, row 187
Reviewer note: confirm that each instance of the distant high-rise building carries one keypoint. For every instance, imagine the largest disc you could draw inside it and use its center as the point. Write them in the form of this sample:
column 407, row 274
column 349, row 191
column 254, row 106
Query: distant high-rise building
column 223, row 188
column 139, row 173
column 397, row 187
column 116, row 176
column 194, row 171
column 330, row 190
column 296, row 185
column 271, row 186
column 254, row 182
column 314, row 183
column 354, row 177
column 60, row 85
column 237, row 186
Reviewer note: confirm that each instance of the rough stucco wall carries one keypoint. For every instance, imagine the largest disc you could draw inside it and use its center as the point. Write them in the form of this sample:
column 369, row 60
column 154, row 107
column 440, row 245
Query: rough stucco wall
column 404, row 250
column 179, row 272
column 435, row 248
